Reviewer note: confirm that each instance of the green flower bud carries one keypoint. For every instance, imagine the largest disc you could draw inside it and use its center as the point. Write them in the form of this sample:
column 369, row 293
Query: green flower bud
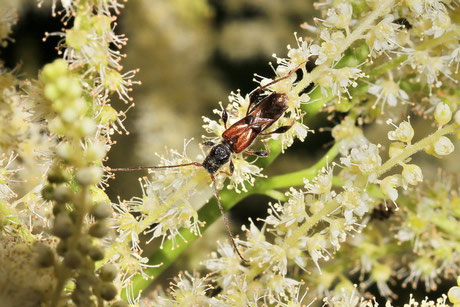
column 84, row 245
column 99, row 230
column 101, row 210
column 108, row 291
column 457, row 117
column 61, row 248
column 87, row 127
column 48, row 192
column 64, row 151
column 108, row 272
column 45, row 256
column 62, row 227
column 62, row 193
column 54, row 71
column 72, row 259
column 107, row 115
column 95, row 152
column 76, row 39
column 96, row 253
column 89, row 176
column 57, row 175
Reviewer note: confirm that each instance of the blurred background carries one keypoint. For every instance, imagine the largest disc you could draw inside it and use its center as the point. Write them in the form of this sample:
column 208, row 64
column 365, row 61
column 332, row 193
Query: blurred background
column 191, row 54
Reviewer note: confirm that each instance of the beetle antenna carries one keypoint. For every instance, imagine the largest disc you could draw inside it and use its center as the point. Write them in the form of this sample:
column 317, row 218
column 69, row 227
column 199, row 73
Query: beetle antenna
column 221, row 208
column 282, row 78
column 141, row 168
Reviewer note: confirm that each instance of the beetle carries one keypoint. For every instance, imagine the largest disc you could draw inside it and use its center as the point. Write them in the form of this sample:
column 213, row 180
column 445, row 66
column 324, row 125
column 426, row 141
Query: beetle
column 262, row 113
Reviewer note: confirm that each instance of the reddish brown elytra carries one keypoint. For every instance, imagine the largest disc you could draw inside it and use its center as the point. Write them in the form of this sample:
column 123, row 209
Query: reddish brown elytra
column 262, row 113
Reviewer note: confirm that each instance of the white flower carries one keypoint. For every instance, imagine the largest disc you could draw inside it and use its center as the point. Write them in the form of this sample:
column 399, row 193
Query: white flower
column 366, row 158
column 403, row 133
column 259, row 251
column 348, row 135
column 440, row 23
column 443, row 146
column 330, row 47
column 442, row 114
column 429, row 67
column 243, row 173
column 411, row 174
column 303, row 51
column 389, row 185
column 190, row 290
column 322, row 182
column 383, row 36
column 283, row 217
column 339, row 80
column 316, row 247
column 6, row 172
column 387, row 91
column 353, row 202
column 340, row 16
column 227, row 265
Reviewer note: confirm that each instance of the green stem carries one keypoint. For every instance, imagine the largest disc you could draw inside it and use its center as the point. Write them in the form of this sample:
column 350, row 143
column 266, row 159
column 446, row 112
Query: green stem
column 412, row 149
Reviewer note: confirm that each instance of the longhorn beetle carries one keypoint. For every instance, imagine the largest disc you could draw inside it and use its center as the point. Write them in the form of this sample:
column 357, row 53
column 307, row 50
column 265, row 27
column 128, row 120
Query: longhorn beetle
column 262, row 113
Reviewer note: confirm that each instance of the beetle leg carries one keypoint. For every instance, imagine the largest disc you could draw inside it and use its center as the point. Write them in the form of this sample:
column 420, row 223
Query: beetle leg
column 208, row 143
column 254, row 99
column 259, row 153
column 231, row 170
column 224, row 117
column 256, row 128
column 281, row 129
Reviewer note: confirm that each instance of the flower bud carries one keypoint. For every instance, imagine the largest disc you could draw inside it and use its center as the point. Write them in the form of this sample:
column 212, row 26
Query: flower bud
column 454, row 295
column 45, row 256
column 90, row 175
column 61, row 248
column 48, row 192
column 87, row 127
column 101, row 210
column 389, row 185
column 64, row 151
column 62, row 194
column 443, row 146
column 108, row 272
column 411, row 174
column 457, row 117
column 108, row 291
column 69, row 115
column 442, row 114
column 95, row 152
column 57, row 175
column 98, row 230
column 96, row 253
column 404, row 133
column 72, row 259
column 62, row 227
